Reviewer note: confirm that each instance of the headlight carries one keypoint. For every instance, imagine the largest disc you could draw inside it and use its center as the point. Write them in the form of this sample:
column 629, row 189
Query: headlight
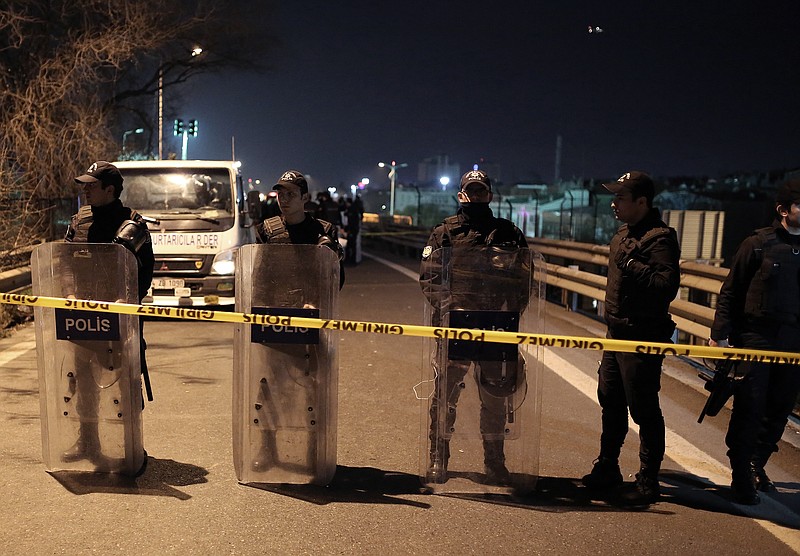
column 224, row 263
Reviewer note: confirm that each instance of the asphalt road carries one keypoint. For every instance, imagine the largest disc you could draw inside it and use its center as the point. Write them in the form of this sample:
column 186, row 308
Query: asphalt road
column 189, row 502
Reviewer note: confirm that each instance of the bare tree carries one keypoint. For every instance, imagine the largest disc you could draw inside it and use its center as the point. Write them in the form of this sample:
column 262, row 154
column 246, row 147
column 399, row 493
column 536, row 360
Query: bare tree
column 71, row 69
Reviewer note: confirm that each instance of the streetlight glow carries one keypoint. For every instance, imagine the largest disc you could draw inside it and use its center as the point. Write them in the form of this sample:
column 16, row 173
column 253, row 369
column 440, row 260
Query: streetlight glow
column 137, row 131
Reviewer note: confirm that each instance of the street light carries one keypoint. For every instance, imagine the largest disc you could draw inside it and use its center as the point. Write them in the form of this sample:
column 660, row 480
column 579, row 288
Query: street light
column 392, row 180
column 196, row 51
column 125, row 136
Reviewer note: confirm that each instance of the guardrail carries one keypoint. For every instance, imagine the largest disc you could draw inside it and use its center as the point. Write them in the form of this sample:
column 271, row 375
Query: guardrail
column 17, row 278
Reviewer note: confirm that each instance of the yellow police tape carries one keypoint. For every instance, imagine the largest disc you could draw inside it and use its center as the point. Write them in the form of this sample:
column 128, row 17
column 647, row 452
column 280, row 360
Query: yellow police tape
column 546, row 340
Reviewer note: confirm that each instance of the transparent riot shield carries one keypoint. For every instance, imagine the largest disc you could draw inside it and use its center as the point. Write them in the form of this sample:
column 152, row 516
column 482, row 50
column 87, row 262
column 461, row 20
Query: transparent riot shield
column 89, row 369
column 481, row 400
column 285, row 382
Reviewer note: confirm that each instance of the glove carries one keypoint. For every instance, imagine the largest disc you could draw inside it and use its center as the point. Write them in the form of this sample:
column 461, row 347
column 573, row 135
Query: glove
column 626, row 251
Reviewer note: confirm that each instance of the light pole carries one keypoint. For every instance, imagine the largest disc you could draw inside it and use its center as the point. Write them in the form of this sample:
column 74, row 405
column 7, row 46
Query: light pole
column 160, row 113
column 392, row 180
column 125, row 136
column 196, row 51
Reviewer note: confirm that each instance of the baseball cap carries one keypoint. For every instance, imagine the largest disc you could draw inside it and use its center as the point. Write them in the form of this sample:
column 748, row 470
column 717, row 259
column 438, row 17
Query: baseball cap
column 476, row 176
column 638, row 183
column 789, row 192
column 293, row 177
column 104, row 172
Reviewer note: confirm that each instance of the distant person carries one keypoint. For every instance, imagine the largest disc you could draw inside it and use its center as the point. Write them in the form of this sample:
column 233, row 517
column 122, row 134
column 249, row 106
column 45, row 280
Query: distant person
column 311, row 207
column 352, row 227
column 294, row 225
column 328, row 209
column 270, row 207
column 473, row 225
column 759, row 308
column 103, row 219
column 643, row 279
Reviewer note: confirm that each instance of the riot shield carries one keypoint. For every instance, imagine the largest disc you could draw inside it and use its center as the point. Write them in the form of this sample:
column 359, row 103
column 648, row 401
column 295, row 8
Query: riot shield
column 481, row 400
column 89, row 370
column 285, row 382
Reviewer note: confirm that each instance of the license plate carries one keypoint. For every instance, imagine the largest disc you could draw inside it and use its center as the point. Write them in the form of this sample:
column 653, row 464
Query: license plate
column 167, row 283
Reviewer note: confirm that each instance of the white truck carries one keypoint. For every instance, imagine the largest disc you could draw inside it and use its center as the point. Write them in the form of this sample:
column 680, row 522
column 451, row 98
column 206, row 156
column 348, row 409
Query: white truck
column 199, row 215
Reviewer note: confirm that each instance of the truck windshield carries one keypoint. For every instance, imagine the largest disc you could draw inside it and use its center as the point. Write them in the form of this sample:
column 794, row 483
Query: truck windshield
column 205, row 192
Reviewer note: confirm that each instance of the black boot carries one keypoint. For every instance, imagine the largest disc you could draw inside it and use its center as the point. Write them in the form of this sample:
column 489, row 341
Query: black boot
column 763, row 482
column 646, row 489
column 604, row 474
column 494, row 461
column 87, row 446
column 743, row 487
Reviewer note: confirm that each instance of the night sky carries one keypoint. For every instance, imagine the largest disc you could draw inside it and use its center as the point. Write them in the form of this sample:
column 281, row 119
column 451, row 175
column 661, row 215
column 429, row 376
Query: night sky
column 672, row 88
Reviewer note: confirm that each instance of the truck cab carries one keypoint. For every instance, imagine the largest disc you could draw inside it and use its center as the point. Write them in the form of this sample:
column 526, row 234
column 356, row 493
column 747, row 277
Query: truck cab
column 197, row 214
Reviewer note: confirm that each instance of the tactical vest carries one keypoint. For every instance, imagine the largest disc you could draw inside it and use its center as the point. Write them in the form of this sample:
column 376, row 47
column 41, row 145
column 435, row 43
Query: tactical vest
column 78, row 230
column 503, row 233
column 632, row 306
column 273, row 230
column 774, row 291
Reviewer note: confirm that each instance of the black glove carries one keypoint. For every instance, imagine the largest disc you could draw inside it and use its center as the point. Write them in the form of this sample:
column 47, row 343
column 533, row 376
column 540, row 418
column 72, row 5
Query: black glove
column 627, row 250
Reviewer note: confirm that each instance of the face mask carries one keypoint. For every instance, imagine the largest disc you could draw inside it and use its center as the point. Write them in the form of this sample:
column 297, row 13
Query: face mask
column 476, row 210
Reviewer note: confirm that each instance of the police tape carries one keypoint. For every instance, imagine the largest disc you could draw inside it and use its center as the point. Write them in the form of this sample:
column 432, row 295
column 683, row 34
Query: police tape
column 466, row 334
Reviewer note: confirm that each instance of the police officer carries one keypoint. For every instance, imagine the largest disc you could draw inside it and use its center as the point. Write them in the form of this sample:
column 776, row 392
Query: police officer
column 103, row 219
column 294, row 225
column 474, row 224
column 643, row 279
column 759, row 308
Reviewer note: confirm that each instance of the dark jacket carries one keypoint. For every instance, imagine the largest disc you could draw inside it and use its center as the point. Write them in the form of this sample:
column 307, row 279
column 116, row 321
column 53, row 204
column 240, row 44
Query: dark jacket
column 762, row 289
column 468, row 233
column 643, row 279
column 100, row 225
column 311, row 231
column 478, row 227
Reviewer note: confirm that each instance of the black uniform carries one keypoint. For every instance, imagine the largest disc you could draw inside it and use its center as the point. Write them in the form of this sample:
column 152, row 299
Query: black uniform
column 474, row 226
column 759, row 308
column 311, row 231
column 643, row 278
column 101, row 224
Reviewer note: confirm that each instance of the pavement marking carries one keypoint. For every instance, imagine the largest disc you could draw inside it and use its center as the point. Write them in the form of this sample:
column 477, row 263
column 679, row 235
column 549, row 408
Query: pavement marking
column 394, row 266
column 17, row 350
column 691, row 458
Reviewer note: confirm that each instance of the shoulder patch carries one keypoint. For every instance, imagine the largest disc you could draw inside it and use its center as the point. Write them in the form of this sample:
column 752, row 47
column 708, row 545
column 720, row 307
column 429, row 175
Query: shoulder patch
column 427, row 252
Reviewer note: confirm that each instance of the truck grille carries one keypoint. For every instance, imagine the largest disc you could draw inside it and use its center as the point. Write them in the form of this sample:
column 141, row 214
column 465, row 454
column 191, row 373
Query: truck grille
column 181, row 265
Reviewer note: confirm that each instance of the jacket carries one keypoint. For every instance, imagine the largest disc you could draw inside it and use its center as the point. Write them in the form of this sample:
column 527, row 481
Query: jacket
column 311, row 231
column 101, row 224
column 762, row 289
column 643, row 279
column 468, row 234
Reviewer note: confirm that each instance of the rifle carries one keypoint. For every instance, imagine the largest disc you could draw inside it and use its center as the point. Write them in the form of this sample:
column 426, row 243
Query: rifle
column 720, row 386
